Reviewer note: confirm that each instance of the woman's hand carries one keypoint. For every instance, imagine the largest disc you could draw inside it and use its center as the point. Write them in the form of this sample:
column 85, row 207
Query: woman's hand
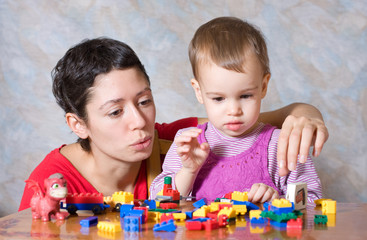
column 297, row 135
column 261, row 193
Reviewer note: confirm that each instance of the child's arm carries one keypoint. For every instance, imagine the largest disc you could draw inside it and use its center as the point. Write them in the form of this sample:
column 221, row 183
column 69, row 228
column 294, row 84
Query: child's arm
column 193, row 156
column 172, row 165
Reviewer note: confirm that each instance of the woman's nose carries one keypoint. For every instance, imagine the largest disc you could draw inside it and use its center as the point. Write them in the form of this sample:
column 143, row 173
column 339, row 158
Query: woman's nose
column 137, row 120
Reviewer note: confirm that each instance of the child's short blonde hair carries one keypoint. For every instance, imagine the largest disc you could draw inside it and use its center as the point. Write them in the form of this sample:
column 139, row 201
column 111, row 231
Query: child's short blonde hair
column 226, row 41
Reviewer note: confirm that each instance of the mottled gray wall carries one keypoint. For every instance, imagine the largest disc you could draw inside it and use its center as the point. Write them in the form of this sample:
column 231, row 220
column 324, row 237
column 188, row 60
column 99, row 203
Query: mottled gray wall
column 318, row 52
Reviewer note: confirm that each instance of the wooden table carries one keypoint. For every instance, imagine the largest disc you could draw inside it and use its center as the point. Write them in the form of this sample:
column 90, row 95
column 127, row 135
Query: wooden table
column 350, row 222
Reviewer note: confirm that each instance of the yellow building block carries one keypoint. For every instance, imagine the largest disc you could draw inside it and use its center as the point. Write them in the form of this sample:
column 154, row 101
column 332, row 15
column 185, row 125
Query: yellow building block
column 109, row 226
column 255, row 214
column 240, row 209
column 280, row 203
column 239, row 196
column 201, row 212
column 328, row 207
column 123, row 197
column 154, row 216
column 318, row 202
column 214, row 206
column 179, row 216
column 229, row 212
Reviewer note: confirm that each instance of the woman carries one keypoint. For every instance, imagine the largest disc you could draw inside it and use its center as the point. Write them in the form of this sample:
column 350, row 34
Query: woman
column 105, row 92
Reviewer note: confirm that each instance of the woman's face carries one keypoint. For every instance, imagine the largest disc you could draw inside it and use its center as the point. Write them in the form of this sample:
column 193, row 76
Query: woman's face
column 121, row 116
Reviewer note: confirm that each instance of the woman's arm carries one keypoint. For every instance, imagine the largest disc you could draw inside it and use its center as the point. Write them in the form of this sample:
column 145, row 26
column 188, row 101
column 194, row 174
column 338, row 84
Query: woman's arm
column 302, row 126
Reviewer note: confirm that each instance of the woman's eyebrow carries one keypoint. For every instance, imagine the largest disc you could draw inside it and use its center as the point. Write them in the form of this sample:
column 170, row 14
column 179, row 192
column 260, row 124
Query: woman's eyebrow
column 118, row 100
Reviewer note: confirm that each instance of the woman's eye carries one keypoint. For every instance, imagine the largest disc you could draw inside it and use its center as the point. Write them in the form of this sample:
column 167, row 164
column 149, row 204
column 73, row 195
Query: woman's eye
column 218, row 99
column 145, row 102
column 115, row 113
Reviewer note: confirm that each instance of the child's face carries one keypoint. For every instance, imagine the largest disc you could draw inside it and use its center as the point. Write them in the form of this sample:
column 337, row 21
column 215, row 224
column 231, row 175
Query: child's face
column 232, row 100
column 121, row 116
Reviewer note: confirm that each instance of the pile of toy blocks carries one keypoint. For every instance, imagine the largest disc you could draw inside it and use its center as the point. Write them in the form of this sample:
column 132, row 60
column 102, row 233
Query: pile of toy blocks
column 328, row 209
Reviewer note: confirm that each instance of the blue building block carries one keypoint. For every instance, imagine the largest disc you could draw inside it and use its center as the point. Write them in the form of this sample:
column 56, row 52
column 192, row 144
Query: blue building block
column 125, row 209
column 131, row 224
column 198, row 219
column 89, row 221
column 278, row 224
column 167, row 226
column 189, row 214
column 200, row 203
column 137, row 213
column 266, row 206
column 259, row 220
column 280, row 210
column 249, row 205
column 151, row 204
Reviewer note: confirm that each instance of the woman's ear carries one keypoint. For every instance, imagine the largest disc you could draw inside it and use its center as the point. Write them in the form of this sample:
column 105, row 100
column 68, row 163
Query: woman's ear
column 77, row 125
column 264, row 87
column 195, row 85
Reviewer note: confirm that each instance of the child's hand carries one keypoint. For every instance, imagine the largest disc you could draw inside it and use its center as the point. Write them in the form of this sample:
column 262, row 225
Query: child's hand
column 262, row 193
column 297, row 135
column 193, row 155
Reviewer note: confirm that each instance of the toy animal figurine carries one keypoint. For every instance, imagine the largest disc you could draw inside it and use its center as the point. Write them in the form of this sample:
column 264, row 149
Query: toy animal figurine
column 46, row 203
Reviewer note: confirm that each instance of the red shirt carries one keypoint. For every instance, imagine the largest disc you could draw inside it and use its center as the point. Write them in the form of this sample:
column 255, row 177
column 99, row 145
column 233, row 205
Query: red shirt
column 55, row 162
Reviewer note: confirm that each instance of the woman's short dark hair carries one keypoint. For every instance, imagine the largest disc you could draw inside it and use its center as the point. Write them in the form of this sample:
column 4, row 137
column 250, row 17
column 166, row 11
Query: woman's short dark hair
column 75, row 73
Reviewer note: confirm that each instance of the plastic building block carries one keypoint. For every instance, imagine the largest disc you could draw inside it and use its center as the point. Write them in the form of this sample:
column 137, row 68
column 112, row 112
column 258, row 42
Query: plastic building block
column 297, row 194
column 295, row 223
column 278, row 217
column 89, row 221
column 189, row 214
column 239, row 196
column 168, row 205
column 240, row 209
column 193, row 225
column 168, row 226
column 166, row 216
column 109, row 226
column 138, row 213
column 255, row 214
column 145, row 215
column 46, row 201
column 131, row 224
column 155, row 216
column 200, row 203
column 266, row 206
column 212, row 215
column 281, row 203
column 318, row 202
column 84, row 201
column 222, row 220
column 280, row 210
column 179, row 216
column 278, row 224
column 151, row 204
column 320, row 219
column 201, row 212
column 259, row 220
column 329, row 207
column 249, row 205
column 229, row 212
column 228, row 195
column 198, row 220
column 125, row 209
column 210, row 225
column 168, row 191
column 224, row 205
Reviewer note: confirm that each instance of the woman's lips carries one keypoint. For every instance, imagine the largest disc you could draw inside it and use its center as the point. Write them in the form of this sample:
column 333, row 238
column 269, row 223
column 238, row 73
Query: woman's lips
column 142, row 144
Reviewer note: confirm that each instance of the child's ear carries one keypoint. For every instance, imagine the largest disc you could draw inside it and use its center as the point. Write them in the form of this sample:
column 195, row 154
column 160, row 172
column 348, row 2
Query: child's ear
column 77, row 125
column 195, row 85
column 264, row 87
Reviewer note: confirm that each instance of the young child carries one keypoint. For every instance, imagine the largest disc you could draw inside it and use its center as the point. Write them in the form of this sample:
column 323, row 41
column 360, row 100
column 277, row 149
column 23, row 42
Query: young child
column 233, row 151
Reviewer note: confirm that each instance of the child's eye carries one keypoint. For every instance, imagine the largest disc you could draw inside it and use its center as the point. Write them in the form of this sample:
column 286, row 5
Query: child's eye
column 218, row 99
column 115, row 113
column 246, row 96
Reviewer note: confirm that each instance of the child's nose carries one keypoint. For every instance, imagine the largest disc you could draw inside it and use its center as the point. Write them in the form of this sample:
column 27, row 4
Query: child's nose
column 234, row 109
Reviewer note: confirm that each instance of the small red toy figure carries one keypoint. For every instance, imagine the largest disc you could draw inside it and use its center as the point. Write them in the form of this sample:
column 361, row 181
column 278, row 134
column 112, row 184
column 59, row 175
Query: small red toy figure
column 44, row 205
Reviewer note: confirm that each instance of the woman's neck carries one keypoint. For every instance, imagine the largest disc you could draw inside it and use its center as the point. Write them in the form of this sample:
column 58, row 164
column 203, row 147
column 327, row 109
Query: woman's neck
column 107, row 175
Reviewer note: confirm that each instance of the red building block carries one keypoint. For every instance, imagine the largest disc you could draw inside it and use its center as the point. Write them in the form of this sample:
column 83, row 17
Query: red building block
column 193, row 225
